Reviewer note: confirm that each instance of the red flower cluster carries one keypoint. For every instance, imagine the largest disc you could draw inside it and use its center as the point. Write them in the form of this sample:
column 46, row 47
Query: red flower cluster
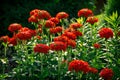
column 4, row 38
column 58, row 46
column 62, row 15
column 36, row 15
column 75, row 25
column 56, row 30
column 14, row 27
column 55, row 20
column 78, row 65
column 71, row 43
column 41, row 48
column 61, row 38
column 106, row 33
column 49, row 24
column 77, row 33
column 93, row 70
column 70, row 35
column 106, row 73
column 85, row 12
column 25, row 33
column 96, row 45
column 92, row 19
column 12, row 41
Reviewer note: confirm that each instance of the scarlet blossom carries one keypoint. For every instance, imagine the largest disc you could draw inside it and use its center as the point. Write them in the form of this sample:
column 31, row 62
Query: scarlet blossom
column 61, row 38
column 32, row 12
column 40, row 14
column 55, row 20
column 55, row 30
column 85, row 12
column 92, row 19
column 69, row 30
column 33, row 19
column 58, row 46
column 24, row 35
column 41, row 48
column 4, row 38
column 24, row 29
column 49, row 24
column 58, row 28
column 77, row 33
column 75, row 25
column 96, row 45
column 71, row 43
column 93, row 70
column 62, row 15
column 43, row 14
column 78, row 65
column 14, row 27
column 12, row 41
column 70, row 35
column 106, row 73
column 106, row 33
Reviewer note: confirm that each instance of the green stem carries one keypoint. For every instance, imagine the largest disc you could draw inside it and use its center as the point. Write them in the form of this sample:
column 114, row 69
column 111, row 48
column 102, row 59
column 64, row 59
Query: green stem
column 59, row 64
column 41, row 58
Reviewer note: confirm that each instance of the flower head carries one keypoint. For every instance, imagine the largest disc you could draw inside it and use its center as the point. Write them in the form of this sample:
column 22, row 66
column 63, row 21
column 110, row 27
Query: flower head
column 62, row 15
column 55, row 20
column 4, row 38
column 70, row 35
column 49, row 24
column 85, row 12
column 41, row 48
column 58, row 46
column 92, row 19
column 78, row 65
column 106, row 33
column 106, row 73
column 96, row 45
column 14, row 27
column 75, row 25
column 93, row 70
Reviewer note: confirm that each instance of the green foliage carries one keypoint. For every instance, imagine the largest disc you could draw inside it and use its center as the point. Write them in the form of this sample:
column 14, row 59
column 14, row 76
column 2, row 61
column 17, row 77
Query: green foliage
column 18, row 11
column 112, row 6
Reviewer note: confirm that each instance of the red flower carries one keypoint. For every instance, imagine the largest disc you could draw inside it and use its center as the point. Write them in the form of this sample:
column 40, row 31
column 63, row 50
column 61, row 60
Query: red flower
column 55, row 20
column 70, row 35
column 85, row 12
column 77, row 33
column 61, row 38
column 58, row 46
column 32, row 19
column 92, row 19
column 40, row 14
column 24, row 35
column 4, row 38
column 55, row 30
column 12, row 41
column 93, row 70
column 96, row 45
column 106, row 33
column 41, row 48
column 49, row 24
column 71, row 43
column 14, row 27
column 78, row 65
column 75, row 25
column 34, row 12
column 106, row 73
column 62, row 15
